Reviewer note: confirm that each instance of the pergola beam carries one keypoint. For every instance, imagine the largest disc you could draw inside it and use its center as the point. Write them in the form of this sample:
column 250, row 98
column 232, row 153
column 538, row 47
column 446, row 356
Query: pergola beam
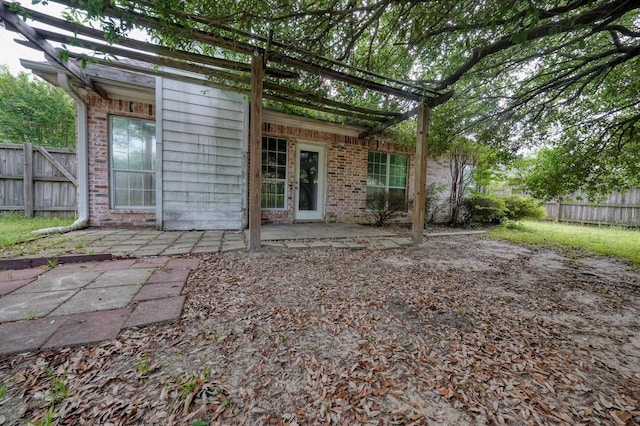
column 36, row 38
column 248, row 49
column 311, row 101
column 208, row 22
column 152, row 48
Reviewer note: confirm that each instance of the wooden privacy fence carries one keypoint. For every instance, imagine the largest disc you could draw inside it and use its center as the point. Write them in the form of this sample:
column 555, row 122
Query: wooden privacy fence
column 617, row 209
column 38, row 180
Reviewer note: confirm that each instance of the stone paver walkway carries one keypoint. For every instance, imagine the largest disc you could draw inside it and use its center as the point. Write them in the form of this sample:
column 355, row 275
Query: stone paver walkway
column 81, row 303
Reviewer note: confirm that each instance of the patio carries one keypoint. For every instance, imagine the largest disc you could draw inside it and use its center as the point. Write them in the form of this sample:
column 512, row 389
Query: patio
column 81, row 295
column 144, row 242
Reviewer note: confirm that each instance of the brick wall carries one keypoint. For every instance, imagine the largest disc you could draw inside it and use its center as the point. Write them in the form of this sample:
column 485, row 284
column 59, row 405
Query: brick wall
column 346, row 175
column 100, row 211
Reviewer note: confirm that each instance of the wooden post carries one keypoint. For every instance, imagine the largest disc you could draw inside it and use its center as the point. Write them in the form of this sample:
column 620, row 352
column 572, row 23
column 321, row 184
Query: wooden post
column 420, row 185
column 255, row 152
column 558, row 215
column 27, row 180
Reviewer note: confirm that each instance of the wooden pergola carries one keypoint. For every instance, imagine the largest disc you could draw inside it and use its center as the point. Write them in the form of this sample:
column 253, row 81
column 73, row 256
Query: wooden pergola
column 264, row 76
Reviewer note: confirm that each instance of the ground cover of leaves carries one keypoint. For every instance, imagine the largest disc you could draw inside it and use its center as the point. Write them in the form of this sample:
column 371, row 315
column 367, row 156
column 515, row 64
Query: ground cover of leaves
column 460, row 330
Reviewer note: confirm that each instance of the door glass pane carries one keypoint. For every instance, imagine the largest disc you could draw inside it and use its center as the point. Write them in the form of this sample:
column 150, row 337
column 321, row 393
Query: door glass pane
column 308, row 187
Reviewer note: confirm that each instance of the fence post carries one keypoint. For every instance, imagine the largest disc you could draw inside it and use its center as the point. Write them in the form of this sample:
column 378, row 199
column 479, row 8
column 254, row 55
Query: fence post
column 27, row 182
column 558, row 216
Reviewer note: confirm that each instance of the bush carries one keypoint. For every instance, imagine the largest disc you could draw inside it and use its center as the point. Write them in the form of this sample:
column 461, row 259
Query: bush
column 384, row 206
column 519, row 208
column 432, row 207
column 484, row 209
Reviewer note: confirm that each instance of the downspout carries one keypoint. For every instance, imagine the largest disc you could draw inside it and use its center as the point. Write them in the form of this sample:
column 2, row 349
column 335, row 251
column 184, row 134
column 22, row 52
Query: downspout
column 83, row 163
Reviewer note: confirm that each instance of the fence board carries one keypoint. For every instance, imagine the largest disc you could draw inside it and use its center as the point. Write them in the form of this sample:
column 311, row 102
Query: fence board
column 53, row 193
column 617, row 209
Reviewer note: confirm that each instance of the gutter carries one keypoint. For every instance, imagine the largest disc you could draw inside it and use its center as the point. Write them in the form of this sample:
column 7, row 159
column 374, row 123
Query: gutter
column 83, row 163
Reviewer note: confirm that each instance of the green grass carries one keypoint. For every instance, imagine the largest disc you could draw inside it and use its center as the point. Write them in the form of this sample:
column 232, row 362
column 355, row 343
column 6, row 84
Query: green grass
column 15, row 228
column 623, row 243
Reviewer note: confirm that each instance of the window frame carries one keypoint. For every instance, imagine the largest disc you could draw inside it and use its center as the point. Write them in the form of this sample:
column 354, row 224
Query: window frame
column 387, row 185
column 113, row 170
column 284, row 181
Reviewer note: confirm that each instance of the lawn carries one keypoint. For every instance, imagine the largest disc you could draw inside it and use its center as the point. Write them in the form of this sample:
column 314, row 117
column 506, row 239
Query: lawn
column 623, row 243
column 15, row 228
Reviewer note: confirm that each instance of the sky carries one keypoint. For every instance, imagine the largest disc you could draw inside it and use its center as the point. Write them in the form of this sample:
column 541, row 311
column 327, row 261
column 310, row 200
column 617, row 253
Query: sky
column 11, row 52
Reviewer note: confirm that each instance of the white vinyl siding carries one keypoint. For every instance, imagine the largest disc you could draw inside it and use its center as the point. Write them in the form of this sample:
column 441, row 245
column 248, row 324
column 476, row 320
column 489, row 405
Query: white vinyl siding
column 203, row 157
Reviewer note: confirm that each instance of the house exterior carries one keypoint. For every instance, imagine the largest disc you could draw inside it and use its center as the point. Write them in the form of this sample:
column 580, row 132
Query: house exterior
column 173, row 154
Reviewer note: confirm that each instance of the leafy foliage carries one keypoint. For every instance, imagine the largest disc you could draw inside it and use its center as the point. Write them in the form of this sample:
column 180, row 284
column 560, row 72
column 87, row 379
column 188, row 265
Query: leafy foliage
column 484, row 209
column 34, row 111
column 385, row 206
column 433, row 206
column 558, row 74
column 519, row 207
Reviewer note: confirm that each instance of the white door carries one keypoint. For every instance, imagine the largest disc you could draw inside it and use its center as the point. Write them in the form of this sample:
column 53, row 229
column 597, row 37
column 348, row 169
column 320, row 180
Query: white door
column 310, row 182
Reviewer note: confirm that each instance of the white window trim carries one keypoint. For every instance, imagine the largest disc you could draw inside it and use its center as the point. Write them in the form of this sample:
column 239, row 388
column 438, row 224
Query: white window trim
column 112, row 185
column 285, row 180
column 386, row 186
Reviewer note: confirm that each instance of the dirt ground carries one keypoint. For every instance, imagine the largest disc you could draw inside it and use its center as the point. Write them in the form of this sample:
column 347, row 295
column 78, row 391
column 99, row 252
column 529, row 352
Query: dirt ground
column 461, row 330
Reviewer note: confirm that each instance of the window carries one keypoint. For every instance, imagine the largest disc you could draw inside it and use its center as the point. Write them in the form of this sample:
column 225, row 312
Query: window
column 274, row 172
column 133, row 159
column 387, row 174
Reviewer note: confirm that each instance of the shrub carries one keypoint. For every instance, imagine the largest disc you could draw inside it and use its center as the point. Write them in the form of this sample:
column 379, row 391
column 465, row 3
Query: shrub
column 385, row 206
column 432, row 207
column 484, row 209
column 523, row 208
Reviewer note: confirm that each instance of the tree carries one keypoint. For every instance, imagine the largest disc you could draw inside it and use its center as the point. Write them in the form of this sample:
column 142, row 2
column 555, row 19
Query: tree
column 34, row 111
column 558, row 72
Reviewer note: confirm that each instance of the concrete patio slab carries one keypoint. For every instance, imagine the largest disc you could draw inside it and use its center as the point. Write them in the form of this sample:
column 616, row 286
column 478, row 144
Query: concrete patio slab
column 75, row 267
column 9, row 286
column 159, row 291
column 156, row 311
column 296, row 245
column 205, row 249
column 169, row 275
column 173, row 251
column 20, row 274
column 310, row 231
column 14, row 307
column 151, row 251
column 122, row 277
column 150, row 262
column 114, row 265
column 88, row 328
column 27, row 336
column 318, row 244
column 98, row 299
column 144, row 242
column 63, row 280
